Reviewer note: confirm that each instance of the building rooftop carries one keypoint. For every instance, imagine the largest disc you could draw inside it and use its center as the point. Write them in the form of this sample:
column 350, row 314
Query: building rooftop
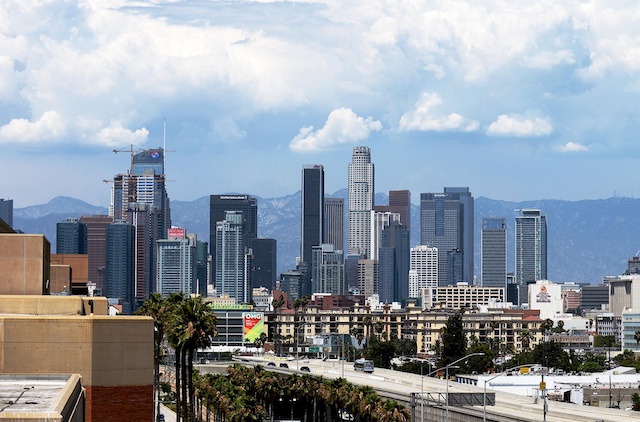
column 32, row 393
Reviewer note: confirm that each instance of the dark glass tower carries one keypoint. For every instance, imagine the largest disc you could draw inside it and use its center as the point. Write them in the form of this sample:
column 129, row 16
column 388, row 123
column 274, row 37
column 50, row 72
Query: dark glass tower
column 531, row 250
column 96, row 244
column 312, row 228
column 446, row 222
column 393, row 263
column 494, row 252
column 263, row 272
column 6, row 211
column 120, row 269
column 71, row 237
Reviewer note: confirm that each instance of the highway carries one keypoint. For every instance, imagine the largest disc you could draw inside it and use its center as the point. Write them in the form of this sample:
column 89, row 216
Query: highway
column 399, row 386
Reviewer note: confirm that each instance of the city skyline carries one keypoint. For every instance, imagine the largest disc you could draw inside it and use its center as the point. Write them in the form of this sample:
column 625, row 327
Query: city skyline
column 455, row 93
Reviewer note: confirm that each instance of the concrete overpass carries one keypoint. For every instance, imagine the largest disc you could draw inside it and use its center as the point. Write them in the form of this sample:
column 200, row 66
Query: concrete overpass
column 408, row 388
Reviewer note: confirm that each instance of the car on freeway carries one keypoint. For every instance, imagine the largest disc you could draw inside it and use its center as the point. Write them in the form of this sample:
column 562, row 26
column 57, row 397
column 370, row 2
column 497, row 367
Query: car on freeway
column 284, row 365
column 305, row 369
column 271, row 364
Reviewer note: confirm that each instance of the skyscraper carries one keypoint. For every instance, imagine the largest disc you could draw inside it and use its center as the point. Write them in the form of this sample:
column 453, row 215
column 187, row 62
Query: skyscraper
column 361, row 192
column 71, row 237
column 531, row 249
column 399, row 202
column 140, row 197
column 334, row 222
column 264, row 271
column 218, row 207
column 446, row 222
column 494, row 252
column 393, row 263
column 6, row 211
column 230, row 269
column 96, row 248
column 423, row 269
column 176, row 263
column 328, row 270
column 120, row 267
column 380, row 221
column 312, row 227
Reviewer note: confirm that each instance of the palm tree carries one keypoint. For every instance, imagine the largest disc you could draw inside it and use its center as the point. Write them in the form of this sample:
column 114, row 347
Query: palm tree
column 636, row 337
column 277, row 304
column 192, row 327
column 525, row 338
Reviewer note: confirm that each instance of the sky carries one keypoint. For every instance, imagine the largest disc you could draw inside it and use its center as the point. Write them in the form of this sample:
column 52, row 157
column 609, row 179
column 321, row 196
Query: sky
column 516, row 100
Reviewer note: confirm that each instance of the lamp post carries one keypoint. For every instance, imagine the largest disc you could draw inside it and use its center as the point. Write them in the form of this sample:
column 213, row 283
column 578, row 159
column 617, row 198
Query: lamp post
column 484, row 394
column 447, row 374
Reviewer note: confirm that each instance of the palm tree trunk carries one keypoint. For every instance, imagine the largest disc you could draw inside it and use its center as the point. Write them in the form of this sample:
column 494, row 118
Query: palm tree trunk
column 190, row 380
column 183, row 363
column 178, row 379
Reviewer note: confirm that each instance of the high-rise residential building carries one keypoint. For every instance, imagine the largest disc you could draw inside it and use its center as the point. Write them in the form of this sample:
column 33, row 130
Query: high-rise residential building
column 264, row 269
column 393, row 263
column 120, row 264
column 328, row 270
column 289, row 283
column 6, row 211
column 361, row 193
column 312, row 227
column 351, row 272
column 96, row 248
column 230, row 278
column 202, row 267
column 531, row 250
column 368, row 283
column 423, row 269
column 71, row 237
column 494, row 252
column 218, row 207
column 140, row 197
column 446, row 222
column 177, row 269
column 399, row 202
column 334, row 222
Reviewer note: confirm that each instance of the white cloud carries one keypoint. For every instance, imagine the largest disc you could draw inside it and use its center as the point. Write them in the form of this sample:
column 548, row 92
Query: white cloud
column 49, row 126
column 572, row 147
column 116, row 135
column 422, row 117
column 517, row 125
column 343, row 126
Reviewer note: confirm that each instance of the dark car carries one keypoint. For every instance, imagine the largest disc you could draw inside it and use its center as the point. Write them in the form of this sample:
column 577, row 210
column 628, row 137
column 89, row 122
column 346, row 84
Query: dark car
column 284, row 365
column 271, row 364
column 305, row 369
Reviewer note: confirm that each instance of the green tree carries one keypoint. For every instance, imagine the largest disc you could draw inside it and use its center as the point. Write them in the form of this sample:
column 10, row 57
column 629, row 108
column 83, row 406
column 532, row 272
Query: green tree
column 525, row 338
column 454, row 342
column 635, row 399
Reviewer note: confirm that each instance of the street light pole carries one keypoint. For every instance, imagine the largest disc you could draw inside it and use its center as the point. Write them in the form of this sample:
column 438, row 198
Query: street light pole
column 447, row 374
column 484, row 395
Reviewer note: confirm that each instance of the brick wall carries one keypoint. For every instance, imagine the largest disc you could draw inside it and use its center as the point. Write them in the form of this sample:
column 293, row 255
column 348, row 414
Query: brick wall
column 133, row 403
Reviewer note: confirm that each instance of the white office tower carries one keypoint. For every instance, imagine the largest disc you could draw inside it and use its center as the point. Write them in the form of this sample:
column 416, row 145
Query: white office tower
column 423, row 269
column 379, row 222
column 328, row 270
column 176, row 271
column 230, row 273
column 361, row 192
column 531, row 250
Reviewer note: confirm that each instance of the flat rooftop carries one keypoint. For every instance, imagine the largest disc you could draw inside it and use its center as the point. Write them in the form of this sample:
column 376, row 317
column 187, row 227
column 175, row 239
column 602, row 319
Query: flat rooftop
column 31, row 393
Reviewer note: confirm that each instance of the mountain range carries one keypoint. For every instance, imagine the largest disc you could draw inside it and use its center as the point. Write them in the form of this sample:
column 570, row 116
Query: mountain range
column 587, row 239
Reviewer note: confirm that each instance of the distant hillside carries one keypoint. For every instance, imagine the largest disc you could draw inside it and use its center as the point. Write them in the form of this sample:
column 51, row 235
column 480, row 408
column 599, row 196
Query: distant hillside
column 587, row 239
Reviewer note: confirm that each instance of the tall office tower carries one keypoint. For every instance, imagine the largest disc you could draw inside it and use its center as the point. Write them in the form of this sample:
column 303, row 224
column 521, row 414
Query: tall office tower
column 120, row 268
column 264, row 270
column 446, row 222
column 312, row 227
column 379, row 220
column 334, row 222
column 6, row 211
column 361, row 193
column 423, row 269
column 71, row 237
column 399, row 202
column 96, row 248
column 230, row 256
column 202, row 267
column 140, row 197
column 531, row 250
column 177, row 270
column 218, row 207
column 328, row 270
column 393, row 263
column 494, row 252
column 368, row 283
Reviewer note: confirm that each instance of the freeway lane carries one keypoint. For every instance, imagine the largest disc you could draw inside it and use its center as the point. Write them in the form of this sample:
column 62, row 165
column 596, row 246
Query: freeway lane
column 399, row 386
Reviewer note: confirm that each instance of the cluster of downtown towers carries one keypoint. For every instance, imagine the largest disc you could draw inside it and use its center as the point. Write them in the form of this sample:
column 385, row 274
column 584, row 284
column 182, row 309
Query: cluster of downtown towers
column 134, row 251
